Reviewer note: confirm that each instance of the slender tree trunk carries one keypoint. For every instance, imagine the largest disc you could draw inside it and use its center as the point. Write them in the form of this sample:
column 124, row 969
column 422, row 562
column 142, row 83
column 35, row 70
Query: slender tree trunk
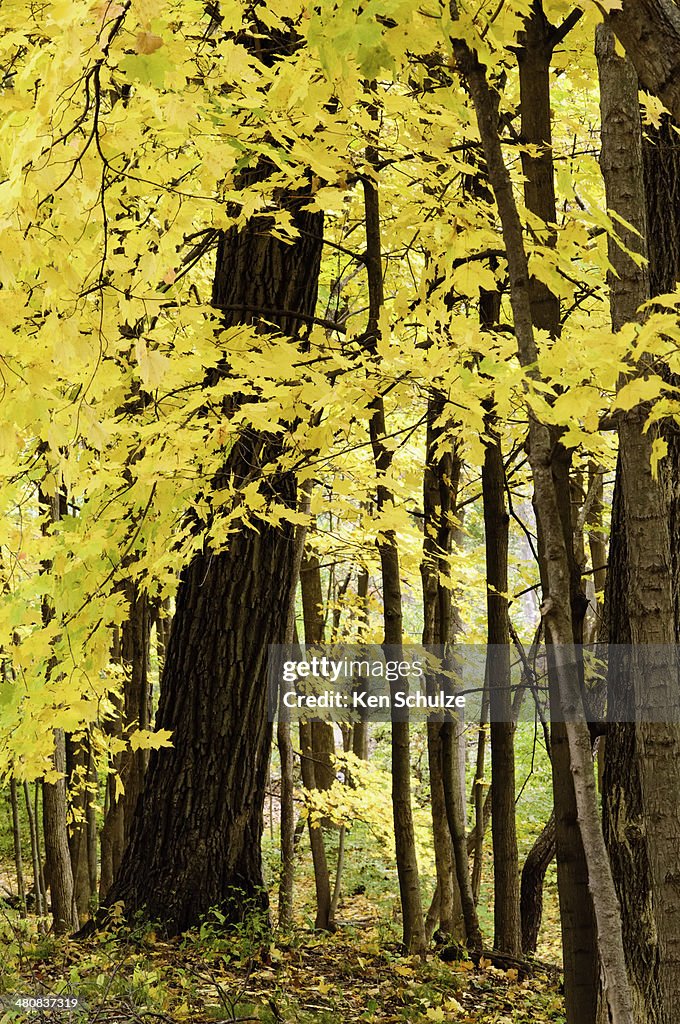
column 77, row 765
column 16, row 836
column 503, row 825
column 407, row 862
column 322, row 881
column 323, row 741
column 360, row 728
column 531, row 889
column 440, row 491
column 285, row 745
column 129, row 765
column 479, row 798
column 455, row 814
column 579, row 941
column 38, row 888
column 55, row 810
column 64, row 912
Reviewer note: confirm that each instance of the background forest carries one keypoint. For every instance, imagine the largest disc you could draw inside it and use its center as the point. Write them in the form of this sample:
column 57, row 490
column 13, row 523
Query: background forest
column 343, row 322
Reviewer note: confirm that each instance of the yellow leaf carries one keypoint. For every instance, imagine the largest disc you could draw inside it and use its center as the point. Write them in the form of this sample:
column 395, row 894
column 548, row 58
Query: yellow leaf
column 144, row 739
column 642, row 389
column 152, row 365
column 659, row 451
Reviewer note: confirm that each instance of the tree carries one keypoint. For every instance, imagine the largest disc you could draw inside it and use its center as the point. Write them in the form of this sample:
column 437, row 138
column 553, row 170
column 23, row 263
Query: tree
column 641, row 774
column 195, row 841
column 650, row 32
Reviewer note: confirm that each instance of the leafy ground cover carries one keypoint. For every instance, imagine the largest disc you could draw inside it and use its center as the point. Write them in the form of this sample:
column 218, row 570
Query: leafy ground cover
column 208, row 978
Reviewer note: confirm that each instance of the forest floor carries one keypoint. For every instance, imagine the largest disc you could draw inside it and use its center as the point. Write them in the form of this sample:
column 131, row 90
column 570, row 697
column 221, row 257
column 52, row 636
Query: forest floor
column 356, row 975
column 348, row 977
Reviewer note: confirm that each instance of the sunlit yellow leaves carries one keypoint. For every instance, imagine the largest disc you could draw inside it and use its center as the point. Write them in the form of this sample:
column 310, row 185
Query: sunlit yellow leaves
column 144, row 739
column 642, row 389
column 659, row 452
column 152, row 364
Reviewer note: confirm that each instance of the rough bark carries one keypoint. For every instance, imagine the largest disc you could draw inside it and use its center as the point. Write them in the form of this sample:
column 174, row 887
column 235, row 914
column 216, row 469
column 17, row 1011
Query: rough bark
column 642, row 774
column 650, row 32
column 557, row 609
column 195, row 840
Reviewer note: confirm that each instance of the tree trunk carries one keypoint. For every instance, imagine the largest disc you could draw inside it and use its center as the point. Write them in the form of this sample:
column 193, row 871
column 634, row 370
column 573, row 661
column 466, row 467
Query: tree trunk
column 455, row 814
column 642, row 773
column 323, row 740
column 57, row 854
column 38, row 888
column 650, row 32
column 195, row 840
column 78, row 756
column 579, row 942
column 440, row 489
column 16, row 836
column 479, row 801
column 132, row 651
column 531, row 888
column 503, row 824
column 322, row 880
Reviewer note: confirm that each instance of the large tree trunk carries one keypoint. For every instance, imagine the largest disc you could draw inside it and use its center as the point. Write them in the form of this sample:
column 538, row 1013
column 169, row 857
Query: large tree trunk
column 195, row 841
column 642, row 772
column 650, row 32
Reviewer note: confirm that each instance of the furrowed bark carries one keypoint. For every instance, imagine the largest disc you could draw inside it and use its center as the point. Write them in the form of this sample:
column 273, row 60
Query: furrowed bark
column 643, row 512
